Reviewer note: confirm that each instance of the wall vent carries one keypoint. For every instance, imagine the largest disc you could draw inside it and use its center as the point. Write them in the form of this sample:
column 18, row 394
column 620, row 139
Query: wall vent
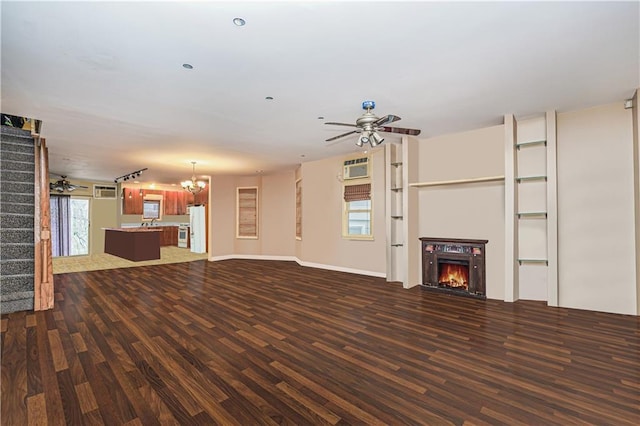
column 103, row 191
column 357, row 168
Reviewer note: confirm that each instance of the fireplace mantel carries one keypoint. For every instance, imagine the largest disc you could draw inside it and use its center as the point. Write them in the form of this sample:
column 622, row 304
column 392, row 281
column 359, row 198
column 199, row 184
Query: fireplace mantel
column 466, row 254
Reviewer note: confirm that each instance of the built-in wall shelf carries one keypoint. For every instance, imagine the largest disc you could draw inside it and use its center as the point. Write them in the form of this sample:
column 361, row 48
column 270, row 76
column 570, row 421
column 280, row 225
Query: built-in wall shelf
column 531, row 178
column 533, row 215
column 396, row 164
column 457, row 181
column 396, row 189
column 530, row 143
column 538, row 261
column 396, row 217
column 396, row 245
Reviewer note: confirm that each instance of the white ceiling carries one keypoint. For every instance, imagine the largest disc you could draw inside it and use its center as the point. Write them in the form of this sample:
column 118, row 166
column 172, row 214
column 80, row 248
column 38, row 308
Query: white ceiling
column 106, row 78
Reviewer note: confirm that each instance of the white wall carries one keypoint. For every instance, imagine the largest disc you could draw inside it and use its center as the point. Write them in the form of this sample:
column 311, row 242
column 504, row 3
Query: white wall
column 474, row 211
column 596, row 247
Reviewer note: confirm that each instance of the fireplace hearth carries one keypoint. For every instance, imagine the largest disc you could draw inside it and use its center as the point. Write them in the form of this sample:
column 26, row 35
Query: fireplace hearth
column 454, row 266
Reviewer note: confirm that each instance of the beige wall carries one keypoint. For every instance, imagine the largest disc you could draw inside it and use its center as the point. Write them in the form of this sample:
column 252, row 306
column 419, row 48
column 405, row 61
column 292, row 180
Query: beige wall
column 222, row 210
column 278, row 214
column 596, row 247
column 322, row 241
column 473, row 210
column 103, row 215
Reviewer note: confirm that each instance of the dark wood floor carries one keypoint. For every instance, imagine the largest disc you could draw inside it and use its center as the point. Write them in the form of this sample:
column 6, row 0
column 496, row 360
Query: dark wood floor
column 266, row 342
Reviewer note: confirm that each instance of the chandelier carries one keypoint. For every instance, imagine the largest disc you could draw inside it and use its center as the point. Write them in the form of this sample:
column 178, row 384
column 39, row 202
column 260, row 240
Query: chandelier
column 192, row 185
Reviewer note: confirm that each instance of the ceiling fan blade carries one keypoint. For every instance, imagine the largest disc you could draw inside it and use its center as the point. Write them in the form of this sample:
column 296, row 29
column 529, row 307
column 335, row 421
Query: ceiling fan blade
column 71, row 187
column 412, row 132
column 341, row 136
column 386, row 120
column 341, row 124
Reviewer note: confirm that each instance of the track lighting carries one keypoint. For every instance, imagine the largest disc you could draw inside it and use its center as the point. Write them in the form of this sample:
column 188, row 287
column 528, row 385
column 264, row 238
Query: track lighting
column 131, row 175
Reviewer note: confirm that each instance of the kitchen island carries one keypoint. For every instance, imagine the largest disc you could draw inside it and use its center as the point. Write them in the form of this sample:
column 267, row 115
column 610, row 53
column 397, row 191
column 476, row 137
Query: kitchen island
column 134, row 244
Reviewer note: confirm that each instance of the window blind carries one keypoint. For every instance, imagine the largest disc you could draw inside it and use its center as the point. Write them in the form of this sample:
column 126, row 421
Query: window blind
column 357, row 192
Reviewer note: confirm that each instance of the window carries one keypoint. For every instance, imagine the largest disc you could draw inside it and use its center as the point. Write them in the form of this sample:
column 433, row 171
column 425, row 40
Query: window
column 151, row 209
column 299, row 209
column 357, row 211
column 247, row 213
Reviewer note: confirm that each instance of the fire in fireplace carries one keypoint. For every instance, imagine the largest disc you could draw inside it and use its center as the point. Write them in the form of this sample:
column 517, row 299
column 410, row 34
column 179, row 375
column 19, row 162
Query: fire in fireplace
column 453, row 265
column 453, row 274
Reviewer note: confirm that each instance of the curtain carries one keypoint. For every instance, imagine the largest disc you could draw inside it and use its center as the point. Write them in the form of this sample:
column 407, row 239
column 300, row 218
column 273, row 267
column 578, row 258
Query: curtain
column 357, row 192
column 60, row 221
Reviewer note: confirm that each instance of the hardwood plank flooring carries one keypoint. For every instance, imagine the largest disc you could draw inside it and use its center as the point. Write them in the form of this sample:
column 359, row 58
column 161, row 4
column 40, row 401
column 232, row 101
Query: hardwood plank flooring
column 250, row 342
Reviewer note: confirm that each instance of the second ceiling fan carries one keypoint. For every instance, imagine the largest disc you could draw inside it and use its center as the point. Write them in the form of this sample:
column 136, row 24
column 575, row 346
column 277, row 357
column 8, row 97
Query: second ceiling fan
column 62, row 185
column 368, row 125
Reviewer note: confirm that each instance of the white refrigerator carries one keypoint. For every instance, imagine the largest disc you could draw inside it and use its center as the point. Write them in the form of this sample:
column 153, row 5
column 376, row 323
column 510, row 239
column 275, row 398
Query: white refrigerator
column 197, row 229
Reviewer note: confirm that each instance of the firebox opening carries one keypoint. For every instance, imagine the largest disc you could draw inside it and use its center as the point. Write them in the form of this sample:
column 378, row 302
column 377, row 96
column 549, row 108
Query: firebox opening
column 453, row 274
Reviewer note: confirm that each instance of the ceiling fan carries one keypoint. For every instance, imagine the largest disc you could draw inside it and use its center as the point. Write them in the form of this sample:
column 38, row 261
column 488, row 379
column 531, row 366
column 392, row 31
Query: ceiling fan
column 368, row 125
column 63, row 185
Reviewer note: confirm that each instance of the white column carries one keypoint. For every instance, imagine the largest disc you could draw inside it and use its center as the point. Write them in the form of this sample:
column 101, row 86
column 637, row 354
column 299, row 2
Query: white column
column 510, row 208
column 411, row 247
column 552, row 211
column 636, row 186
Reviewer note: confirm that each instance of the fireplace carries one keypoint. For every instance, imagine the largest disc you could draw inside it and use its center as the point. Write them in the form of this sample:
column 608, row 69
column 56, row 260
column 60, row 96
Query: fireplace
column 454, row 266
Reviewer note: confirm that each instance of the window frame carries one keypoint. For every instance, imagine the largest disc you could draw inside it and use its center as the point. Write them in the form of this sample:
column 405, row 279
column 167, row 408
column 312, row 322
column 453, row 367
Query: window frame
column 239, row 220
column 346, row 210
column 299, row 209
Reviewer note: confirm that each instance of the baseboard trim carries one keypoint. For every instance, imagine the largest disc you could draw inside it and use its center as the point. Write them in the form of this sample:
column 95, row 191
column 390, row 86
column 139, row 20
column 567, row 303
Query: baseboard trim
column 341, row 269
column 299, row 262
column 253, row 257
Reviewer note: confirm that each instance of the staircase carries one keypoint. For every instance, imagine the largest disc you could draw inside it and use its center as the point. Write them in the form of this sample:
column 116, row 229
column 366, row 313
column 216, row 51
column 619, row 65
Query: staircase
column 17, row 183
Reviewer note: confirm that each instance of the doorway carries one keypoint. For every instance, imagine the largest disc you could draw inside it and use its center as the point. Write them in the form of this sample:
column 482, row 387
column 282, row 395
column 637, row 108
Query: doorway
column 69, row 225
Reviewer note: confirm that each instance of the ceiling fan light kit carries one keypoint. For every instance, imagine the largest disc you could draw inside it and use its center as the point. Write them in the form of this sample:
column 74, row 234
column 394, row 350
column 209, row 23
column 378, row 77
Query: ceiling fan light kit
column 368, row 124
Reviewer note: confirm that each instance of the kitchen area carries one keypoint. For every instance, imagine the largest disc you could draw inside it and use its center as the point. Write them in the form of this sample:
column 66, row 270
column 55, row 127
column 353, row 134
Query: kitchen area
column 154, row 218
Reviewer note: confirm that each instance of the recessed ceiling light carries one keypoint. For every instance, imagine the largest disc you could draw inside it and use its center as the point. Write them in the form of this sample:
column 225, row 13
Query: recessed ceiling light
column 269, row 98
column 239, row 22
column 187, row 66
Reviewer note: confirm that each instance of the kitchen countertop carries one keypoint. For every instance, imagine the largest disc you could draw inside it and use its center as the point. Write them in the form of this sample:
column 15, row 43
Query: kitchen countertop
column 137, row 224
column 139, row 229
